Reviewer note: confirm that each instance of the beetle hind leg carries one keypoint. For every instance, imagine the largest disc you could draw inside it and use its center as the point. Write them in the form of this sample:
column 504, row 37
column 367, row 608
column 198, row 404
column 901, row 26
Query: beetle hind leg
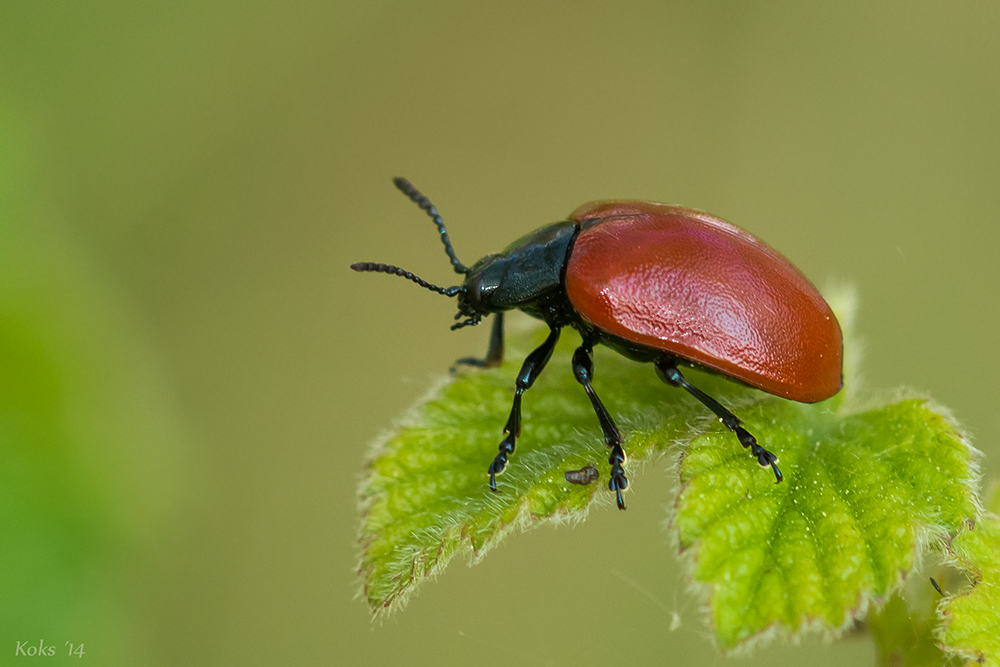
column 667, row 371
column 583, row 370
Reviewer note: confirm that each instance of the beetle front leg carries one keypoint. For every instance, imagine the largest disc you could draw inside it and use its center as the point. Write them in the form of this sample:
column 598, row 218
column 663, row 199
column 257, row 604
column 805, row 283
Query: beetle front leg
column 667, row 371
column 494, row 355
column 532, row 366
column 583, row 370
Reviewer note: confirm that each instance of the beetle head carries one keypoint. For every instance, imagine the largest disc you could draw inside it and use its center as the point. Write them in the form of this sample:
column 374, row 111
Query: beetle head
column 476, row 298
column 473, row 296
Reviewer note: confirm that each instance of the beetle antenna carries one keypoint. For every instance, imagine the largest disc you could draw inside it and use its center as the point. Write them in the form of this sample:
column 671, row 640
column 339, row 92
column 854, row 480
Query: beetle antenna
column 423, row 202
column 396, row 271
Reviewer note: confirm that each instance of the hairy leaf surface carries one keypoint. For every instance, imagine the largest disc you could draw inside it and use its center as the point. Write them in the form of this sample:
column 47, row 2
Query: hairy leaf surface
column 862, row 493
column 972, row 619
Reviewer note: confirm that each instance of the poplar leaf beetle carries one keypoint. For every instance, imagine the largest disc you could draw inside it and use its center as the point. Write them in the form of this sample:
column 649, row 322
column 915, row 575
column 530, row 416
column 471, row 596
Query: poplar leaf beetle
column 656, row 283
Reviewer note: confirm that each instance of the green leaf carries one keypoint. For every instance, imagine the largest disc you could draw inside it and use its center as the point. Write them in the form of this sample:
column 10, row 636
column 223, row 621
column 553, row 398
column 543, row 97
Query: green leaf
column 885, row 478
column 863, row 493
column 972, row 619
column 426, row 496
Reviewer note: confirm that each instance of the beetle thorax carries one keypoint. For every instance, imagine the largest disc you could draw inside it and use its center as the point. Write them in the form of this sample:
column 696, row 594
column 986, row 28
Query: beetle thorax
column 525, row 273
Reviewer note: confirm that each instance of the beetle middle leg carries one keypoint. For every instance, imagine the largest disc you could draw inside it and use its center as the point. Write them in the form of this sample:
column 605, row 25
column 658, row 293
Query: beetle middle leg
column 666, row 369
column 583, row 369
column 532, row 366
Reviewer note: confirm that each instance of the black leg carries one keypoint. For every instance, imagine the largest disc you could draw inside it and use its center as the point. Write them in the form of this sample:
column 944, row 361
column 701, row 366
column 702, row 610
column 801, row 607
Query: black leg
column 583, row 369
column 667, row 371
column 532, row 366
column 494, row 355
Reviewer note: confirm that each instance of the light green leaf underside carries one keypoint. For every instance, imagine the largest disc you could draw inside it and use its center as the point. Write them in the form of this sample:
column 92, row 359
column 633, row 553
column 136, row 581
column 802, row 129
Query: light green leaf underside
column 972, row 627
column 862, row 492
column 426, row 494
column 904, row 634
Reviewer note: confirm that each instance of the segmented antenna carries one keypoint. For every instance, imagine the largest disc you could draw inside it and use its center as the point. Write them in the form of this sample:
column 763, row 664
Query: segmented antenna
column 423, row 202
column 396, row 271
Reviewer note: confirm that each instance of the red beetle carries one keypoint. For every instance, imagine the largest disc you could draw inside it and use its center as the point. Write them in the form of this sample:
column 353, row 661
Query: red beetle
column 657, row 283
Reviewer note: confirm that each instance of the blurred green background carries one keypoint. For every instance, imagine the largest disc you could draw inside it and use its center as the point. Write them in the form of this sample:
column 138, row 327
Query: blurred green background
column 190, row 375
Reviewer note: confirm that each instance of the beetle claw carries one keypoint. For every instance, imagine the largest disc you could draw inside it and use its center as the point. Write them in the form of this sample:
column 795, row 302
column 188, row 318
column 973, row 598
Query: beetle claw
column 766, row 458
column 500, row 462
column 618, row 481
column 617, row 484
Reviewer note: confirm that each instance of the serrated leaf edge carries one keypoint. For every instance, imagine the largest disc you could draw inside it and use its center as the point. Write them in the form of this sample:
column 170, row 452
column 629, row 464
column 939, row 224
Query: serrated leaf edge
column 928, row 539
column 974, row 572
column 522, row 521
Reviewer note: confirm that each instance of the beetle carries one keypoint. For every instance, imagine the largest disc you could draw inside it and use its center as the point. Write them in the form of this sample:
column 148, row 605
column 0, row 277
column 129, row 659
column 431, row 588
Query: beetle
column 661, row 284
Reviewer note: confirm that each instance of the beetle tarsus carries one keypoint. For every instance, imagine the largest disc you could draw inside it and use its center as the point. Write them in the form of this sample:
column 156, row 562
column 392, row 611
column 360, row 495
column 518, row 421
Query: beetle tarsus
column 617, row 488
column 500, row 462
column 764, row 457
column 618, row 481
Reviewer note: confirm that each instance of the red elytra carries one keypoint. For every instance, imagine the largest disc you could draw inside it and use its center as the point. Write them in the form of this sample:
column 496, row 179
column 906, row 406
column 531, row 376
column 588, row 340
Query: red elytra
column 687, row 283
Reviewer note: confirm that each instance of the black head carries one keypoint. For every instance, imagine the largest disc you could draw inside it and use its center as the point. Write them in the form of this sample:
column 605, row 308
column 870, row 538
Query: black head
column 469, row 304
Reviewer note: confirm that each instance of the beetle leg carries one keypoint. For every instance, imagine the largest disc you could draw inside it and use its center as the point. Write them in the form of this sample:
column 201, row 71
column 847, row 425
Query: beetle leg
column 583, row 369
column 667, row 371
column 533, row 365
column 494, row 355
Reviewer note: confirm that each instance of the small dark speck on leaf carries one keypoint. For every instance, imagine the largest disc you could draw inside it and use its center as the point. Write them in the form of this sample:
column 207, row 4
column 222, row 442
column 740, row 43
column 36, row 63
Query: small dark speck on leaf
column 585, row 475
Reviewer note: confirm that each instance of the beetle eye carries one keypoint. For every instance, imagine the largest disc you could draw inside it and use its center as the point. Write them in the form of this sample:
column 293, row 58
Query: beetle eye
column 470, row 300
